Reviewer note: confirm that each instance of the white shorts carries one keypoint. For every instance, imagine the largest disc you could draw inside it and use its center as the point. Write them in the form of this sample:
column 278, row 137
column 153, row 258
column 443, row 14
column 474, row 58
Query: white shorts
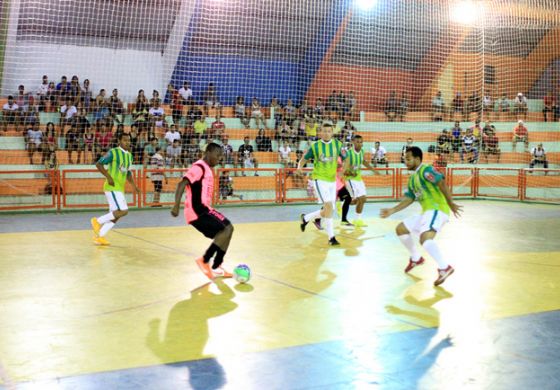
column 356, row 188
column 116, row 200
column 430, row 220
column 325, row 191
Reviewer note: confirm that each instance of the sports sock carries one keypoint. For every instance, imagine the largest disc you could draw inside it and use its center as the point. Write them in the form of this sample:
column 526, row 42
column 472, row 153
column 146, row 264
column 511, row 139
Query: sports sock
column 409, row 244
column 106, row 218
column 312, row 215
column 105, row 228
column 329, row 227
column 358, row 215
column 433, row 249
column 346, row 207
column 219, row 259
column 210, row 252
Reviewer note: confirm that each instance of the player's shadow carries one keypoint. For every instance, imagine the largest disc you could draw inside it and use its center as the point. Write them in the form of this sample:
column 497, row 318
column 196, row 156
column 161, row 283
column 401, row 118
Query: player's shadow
column 422, row 352
column 352, row 239
column 186, row 335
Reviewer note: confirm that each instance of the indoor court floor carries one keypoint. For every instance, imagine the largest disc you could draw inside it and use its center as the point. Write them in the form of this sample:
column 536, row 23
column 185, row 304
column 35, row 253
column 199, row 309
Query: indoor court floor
column 140, row 315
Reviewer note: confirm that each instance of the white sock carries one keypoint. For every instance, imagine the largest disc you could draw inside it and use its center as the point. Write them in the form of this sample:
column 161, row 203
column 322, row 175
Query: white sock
column 409, row 244
column 105, row 228
column 106, row 218
column 433, row 249
column 358, row 215
column 312, row 216
column 329, row 227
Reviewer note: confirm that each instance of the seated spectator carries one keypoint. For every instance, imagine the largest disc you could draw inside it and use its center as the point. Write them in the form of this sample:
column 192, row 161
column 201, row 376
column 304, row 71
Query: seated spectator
column 87, row 95
column 458, row 106
column 186, row 92
column 155, row 98
column 157, row 175
column 391, row 107
column 487, row 104
column 342, row 106
column 491, row 145
column 141, row 99
column 520, row 134
column 290, row 113
column 319, row 109
column 217, row 129
column 156, row 116
column 73, row 143
column 403, row 107
column 101, row 109
column 469, row 151
column 62, row 89
column 347, row 132
column 264, row 144
column 551, row 106
column 88, row 140
column 257, row 114
column 51, row 97
column 443, row 146
column 477, row 132
column 409, row 143
column 226, row 186
column 150, row 149
column 284, row 155
column 245, row 156
column 10, row 114
column 456, row 138
column 193, row 114
column 192, row 152
column 488, row 128
column 305, row 111
column 67, row 114
column 352, row 104
column 440, row 163
column 75, row 92
column 103, row 139
column 538, row 157
column 438, row 108
column 173, row 154
column 378, row 155
column 200, row 128
column 34, row 141
column 520, row 106
column 276, row 112
column 116, row 107
column 51, row 164
column 311, row 128
column 42, row 93
column 176, row 104
column 140, row 117
column 228, row 155
column 211, row 99
column 502, row 105
column 241, row 111
column 473, row 104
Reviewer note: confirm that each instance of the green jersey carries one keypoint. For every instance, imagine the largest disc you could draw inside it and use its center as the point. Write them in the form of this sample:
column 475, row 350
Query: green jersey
column 119, row 162
column 423, row 187
column 325, row 159
column 356, row 160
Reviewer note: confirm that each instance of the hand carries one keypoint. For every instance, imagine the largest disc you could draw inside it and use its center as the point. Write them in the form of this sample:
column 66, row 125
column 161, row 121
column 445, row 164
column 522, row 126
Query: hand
column 384, row 213
column 457, row 210
column 175, row 210
column 110, row 181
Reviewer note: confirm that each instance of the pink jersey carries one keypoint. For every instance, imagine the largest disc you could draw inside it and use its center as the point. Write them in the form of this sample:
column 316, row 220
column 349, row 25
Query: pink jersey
column 339, row 180
column 198, row 196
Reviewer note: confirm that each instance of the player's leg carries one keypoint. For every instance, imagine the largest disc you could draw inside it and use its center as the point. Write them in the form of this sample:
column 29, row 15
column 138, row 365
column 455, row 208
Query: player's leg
column 344, row 195
column 432, row 223
column 305, row 218
column 359, row 191
column 329, row 195
column 404, row 231
column 117, row 209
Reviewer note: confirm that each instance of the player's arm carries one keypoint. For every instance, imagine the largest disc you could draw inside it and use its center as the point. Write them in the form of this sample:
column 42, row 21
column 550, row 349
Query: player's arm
column 304, row 160
column 449, row 198
column 367, row 164
column 178, row 195
column 404, row 203
column 100, row 165
column 130, row 179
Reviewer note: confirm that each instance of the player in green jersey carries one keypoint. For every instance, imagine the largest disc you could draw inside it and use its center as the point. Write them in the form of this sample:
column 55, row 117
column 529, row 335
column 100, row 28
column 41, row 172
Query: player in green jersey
column 324, row 154
column 427, row 186
column 118, row 161
column 353, row 175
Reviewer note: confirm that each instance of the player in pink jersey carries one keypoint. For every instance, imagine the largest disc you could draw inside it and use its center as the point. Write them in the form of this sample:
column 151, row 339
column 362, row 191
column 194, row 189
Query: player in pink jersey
column 199, row 184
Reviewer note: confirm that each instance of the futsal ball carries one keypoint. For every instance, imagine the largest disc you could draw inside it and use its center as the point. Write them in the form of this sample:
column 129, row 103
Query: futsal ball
column 242, row 273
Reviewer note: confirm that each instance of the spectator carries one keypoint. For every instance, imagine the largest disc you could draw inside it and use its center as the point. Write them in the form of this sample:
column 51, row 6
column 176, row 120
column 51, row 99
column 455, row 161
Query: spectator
column 51, row 96
column 50, row 136
column 257, row 114
column 245, row 156
column 73, row 143
column 469, row 150
column 157, row 175
column 477, row 132
column 34, row 141
column 186, row 92
column 228, row 156
column 217, row 129
column 491, row 145
column 211, row 99
column 392, row 107
column 276, row 112
column 311, row 127
column 520, row 106
column 438, row 108
column 226, row 186
column 264, row 144
column 474, row 103
column 103, row 140
column 116, row 107
column 176, row 104
column 332, row 104
column 88, row 140
column 458, row 106
column 67, row 114
column 141, row 99
column 241, row 111
column 488, row 128
column 456, row 138
column 63, row 89
column 191, row 152
column 87, row 95
column 42, row 93
column 379, row 155
column 319, row 110
column 443, row 146
column 502, row 105
column 440, row 163
column 403, row 107
column 342, row 107
column 347, row 132
column 351, row 105
column 305, row 111
column 409, row 143
column 149, row 150
column 156, row 115
column 284, row 155
column 290, row 113
column 51, row 164
column 155, row 98
column 10, row 114
column 140, row 117
column 487, row 104
column 75, row 91
column 101, row 109
column 173, row 154
column 550, row 105
column 538, row 157
column 520, row 134
column 172, row 135
column 193, row 114
column 200, row 128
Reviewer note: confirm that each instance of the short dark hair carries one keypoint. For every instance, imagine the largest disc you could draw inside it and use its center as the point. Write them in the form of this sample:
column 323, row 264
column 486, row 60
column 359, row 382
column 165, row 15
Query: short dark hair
column 123, row 134
column 212, row 146
column 357, row 136
column 415, row 151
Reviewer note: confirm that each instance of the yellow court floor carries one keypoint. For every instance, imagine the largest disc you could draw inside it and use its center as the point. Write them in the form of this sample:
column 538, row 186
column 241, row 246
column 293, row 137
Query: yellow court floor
column 69, row 308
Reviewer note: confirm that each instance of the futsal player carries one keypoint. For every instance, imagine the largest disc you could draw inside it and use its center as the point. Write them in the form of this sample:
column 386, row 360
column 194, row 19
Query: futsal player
column 352, row 173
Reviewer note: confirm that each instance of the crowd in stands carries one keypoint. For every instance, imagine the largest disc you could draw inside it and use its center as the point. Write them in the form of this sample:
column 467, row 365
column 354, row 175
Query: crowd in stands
column 88, row 126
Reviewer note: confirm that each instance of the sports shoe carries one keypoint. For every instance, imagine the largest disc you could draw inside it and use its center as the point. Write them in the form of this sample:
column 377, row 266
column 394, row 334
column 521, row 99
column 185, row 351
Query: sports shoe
column 443, row 274
column 412, row 264
column 317, row 223
column 359, row 223
column 346, row 223
column 333, row 241
column 303, row 223
column 205, row 268
column 338, row 207
column 101, row 241
column 220, row 272
column 96, row 226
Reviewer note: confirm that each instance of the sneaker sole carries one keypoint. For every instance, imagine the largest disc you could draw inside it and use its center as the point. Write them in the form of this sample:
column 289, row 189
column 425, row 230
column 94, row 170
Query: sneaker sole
column 439, row 282
column 204, row 271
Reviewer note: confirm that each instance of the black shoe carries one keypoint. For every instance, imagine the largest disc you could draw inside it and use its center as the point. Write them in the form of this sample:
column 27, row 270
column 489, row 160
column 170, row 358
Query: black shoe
column 347, row 223
column 303, row 223
column 333, row 241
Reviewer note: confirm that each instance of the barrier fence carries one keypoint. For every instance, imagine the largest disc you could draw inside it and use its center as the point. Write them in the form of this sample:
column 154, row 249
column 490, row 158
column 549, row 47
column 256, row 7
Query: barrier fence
column 83, row 188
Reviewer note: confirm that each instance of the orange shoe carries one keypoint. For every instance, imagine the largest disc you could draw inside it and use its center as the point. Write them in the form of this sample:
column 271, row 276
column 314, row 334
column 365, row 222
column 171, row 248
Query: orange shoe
column 205, row 268
column 95, row 226
column 101, row 241
column 220, row 272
